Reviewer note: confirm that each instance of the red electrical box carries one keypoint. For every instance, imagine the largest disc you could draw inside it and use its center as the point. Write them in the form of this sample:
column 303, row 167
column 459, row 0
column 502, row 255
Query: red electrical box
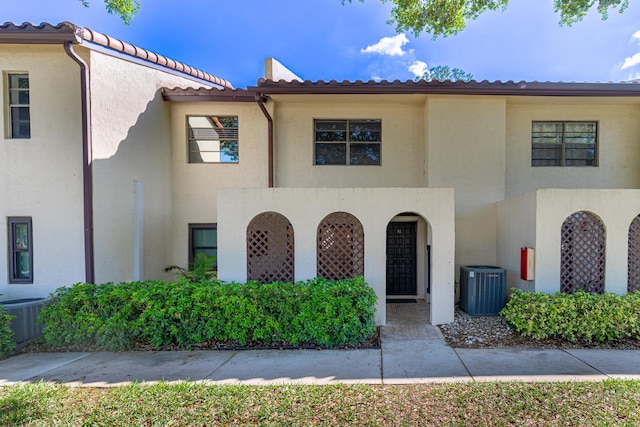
column 526, row 263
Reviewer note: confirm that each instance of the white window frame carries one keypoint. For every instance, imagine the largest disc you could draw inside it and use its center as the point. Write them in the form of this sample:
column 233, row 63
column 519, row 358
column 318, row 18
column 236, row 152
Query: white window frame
column 210, row 139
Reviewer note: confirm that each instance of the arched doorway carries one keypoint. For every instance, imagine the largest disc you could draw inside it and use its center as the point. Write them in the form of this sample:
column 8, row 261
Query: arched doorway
column 408, row 255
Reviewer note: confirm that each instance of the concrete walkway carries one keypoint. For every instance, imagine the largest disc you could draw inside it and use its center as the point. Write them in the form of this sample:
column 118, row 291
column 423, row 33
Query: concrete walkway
column 412, row 352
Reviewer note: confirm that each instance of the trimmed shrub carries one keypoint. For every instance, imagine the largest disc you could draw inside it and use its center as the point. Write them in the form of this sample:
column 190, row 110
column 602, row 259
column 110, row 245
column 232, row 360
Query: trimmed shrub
column 315, row 312
column 574, row 317
column 7, row 342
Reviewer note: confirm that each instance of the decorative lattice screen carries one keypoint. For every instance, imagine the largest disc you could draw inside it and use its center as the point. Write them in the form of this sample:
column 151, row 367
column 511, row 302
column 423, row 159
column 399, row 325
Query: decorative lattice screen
column 634, row 256
column 340, row 247
column 582, row 254
column 270, row 249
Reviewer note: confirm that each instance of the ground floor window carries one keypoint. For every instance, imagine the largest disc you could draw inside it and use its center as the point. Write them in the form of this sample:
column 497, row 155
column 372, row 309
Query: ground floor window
column 20, row 249
column 203, row 238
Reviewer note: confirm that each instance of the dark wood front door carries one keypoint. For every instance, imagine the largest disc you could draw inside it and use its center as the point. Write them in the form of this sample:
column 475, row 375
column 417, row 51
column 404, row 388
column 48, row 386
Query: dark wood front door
column 401, row 258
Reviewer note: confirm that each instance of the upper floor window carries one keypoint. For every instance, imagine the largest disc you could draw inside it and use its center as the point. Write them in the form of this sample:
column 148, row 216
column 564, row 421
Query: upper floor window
column 564, row 144
column 18, row 106
column 347, row 142
column 20, row 250
column 213, row 139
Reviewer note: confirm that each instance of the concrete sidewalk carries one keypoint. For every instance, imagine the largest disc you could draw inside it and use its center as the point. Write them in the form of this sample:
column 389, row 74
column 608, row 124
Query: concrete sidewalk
column 412, row 351
column 400, row 360
column 397, row 362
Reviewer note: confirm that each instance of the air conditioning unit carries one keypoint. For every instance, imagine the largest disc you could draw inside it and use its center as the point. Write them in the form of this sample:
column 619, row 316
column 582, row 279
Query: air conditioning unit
column 26, row 312
column 482, row 289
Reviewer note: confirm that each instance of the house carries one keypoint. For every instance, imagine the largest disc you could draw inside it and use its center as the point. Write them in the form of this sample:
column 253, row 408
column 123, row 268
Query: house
column 402, row 182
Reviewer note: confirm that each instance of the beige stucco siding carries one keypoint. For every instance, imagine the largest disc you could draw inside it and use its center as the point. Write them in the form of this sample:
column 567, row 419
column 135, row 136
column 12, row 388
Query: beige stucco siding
column 402, row 147
column 466, row 137
column 131, row 141
column 535, row 220
column 195, row 186
column 373, row 207
column 516, row 229
column 41, row 176
column 618, row 145
column 616, row 209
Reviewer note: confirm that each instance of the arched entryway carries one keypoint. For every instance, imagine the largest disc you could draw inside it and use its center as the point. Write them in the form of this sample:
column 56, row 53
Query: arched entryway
column 633, row 283
column 408, row 248
column 270, row 248
column 582, row 259
column 340, row 240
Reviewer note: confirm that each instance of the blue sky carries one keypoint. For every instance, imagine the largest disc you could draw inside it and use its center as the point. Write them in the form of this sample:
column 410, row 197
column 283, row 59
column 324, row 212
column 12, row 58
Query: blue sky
column 325, row 40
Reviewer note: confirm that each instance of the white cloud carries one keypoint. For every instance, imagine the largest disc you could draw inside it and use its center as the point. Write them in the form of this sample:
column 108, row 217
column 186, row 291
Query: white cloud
column 418, row 68
column 633, row 60
column 391, row 46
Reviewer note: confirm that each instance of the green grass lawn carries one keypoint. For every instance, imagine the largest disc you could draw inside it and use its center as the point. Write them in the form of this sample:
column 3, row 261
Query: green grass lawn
column 188, row 404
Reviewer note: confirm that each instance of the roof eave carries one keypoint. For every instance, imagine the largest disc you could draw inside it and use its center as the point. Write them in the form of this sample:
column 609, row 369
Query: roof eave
column 449, row 88
column 208, row 95
column 44, row 33
column 38, row 38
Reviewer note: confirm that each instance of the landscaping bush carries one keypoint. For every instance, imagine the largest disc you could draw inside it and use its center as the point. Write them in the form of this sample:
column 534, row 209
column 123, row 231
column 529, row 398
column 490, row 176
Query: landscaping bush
column 574, row 317
column 183, row 313
column 7, row 342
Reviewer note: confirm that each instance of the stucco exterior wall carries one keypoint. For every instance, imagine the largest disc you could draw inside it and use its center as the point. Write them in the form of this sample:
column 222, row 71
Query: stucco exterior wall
column 403, row 150
column 195, row 186
column 131, row 141
column 374, row 207
column 41, row 177
column 466, row 143
column 516, row 219
column 616, row 208
column 618, row 136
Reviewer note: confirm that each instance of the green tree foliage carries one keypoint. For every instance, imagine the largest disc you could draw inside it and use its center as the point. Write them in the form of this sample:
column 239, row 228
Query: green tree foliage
column 444, row 72
column 449, row 17
column 125, row 9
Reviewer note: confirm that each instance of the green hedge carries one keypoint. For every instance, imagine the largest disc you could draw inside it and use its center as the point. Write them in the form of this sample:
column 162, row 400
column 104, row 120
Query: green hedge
column 7, row 343
column 574, row 317
column 119, row 316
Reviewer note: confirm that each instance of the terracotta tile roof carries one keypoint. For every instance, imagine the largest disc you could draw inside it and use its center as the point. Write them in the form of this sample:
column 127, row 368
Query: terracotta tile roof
column 333, row 87
column 267, row 87
column 66, row 31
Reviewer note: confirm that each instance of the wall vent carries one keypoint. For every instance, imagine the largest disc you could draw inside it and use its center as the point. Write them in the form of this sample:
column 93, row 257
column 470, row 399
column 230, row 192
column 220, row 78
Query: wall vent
column 482, row 289
column 26, row 310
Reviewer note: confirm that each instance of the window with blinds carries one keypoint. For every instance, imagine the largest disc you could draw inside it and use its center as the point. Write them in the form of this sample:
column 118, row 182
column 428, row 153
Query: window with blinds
column 19, row 108
column 347, row 142
column 564, row 144
column 212, row 139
